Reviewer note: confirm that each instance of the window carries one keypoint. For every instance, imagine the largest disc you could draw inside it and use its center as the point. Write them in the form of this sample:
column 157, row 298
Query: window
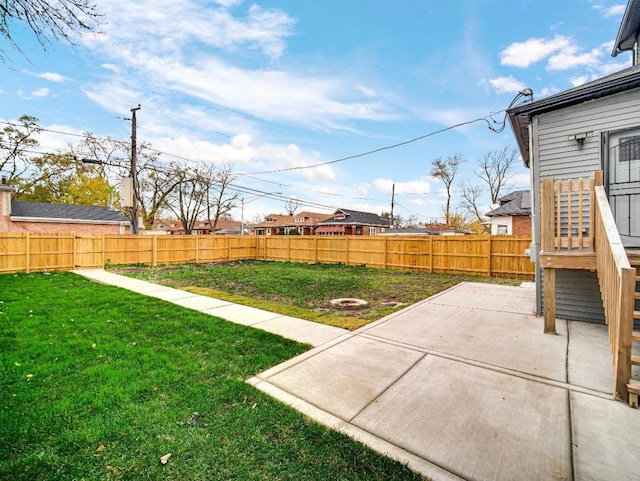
column 299, row 219
column 502, row 229
column 372, row 231
column 629, row 148
column 270, row 219
column 269, row 231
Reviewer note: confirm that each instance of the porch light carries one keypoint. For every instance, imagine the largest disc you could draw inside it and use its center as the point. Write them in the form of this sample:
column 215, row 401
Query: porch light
column 580, row 137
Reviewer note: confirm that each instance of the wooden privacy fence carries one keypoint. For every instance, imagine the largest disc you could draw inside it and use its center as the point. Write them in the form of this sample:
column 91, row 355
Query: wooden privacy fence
column 490, row 256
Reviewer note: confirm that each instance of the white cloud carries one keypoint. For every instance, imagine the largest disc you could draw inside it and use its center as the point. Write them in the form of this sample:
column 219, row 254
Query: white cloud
column 521, row 181
column 366, row 91
column 508, row 84
column 244, row 154
column 546, row 91
column 170, row 24
column 52, row 77
column 613, row 11
column 41, row 92
column 180, row 51
column 570, row 57
column 609, row 68
column 418, row 186
column 580, row 80
column 524, row 54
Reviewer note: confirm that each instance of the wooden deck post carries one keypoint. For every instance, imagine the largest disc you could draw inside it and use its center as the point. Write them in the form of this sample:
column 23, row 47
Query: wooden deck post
column 622, row 357
column 548, row 246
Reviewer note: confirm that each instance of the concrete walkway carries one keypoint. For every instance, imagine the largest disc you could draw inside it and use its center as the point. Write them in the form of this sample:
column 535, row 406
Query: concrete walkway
column 290, row 327
column 463, row 385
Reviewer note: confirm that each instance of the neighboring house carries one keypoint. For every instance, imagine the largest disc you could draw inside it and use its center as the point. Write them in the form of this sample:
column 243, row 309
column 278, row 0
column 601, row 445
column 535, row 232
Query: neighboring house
column 432, row 229
column 513, row 215
column 352, row 222
column 570, row 135
column 303, row 223
column 18, row 216
column 203, row 227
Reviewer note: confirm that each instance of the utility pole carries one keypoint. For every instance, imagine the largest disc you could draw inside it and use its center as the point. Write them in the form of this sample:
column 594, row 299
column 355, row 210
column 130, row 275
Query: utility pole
column 134, row 172
column 393, row 195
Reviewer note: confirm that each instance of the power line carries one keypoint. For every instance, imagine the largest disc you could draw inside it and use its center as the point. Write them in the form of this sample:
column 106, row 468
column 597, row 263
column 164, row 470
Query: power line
column 387, row 147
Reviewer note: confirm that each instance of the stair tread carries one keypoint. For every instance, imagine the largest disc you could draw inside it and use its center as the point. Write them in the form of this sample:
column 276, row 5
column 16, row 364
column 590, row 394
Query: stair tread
column 636, row 314
column 633, row 386
column 635, row 360
column 635, row 335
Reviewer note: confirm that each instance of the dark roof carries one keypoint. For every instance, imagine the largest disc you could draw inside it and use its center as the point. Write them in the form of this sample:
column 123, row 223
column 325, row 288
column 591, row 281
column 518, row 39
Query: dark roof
column 43, row 210
column 355, row 217
column 517, row 202
column 629, row 28
column 519, row 115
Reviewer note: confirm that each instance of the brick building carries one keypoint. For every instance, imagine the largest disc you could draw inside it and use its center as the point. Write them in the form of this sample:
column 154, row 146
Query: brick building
column 18, row 216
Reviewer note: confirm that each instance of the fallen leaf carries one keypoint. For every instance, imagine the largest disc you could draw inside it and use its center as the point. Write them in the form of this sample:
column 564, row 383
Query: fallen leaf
column 29, row 376
column 165, row 458
column 100, row 448
column 94, row 345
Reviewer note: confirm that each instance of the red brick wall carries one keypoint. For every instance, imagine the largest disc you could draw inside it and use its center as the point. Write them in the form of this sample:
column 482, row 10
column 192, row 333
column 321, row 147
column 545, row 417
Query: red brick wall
column 43, row 227
column 521, row 225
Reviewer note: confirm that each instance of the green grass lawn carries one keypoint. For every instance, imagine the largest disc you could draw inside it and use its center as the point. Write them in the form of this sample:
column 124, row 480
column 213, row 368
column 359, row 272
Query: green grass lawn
column 98, row 383
column 304, row 290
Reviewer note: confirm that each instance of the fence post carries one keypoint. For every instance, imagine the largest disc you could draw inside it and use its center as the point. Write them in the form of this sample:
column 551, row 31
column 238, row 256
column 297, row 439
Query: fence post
column 386, row 251
column 346, row 250
column 489, row 256
column 27, row 252
column 315, row 249
column 197, row 237
column 430, row 254
column 288, row 248
column 154, row 251
column 102, row 253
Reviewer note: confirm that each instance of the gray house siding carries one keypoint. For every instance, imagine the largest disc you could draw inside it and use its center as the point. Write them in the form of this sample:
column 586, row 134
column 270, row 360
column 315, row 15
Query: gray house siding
column 555, row 155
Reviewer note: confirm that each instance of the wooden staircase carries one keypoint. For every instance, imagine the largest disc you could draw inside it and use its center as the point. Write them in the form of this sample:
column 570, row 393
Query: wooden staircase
column 634, row 386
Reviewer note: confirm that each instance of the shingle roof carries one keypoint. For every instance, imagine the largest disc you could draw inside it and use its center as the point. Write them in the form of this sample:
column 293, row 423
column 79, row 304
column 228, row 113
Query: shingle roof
column 355, row 217
column 517, row 202
column 43, row 210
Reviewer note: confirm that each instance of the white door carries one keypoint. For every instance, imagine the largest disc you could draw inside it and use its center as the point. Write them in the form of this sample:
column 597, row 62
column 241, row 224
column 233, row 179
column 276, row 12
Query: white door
column 624, row 184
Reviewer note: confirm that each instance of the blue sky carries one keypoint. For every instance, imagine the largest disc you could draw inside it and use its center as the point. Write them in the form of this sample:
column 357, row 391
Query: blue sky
column 271, row 85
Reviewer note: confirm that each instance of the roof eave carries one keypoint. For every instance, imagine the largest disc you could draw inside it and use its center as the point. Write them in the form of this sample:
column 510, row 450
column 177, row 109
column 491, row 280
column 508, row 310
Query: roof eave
column 629, row 28
column 519, row 116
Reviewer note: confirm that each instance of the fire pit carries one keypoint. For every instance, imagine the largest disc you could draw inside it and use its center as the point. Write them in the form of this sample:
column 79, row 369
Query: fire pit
column 348, row 303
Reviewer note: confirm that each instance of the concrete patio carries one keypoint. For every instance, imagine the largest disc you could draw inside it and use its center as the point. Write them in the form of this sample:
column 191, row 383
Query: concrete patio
column 463, row 385
column 466, row 386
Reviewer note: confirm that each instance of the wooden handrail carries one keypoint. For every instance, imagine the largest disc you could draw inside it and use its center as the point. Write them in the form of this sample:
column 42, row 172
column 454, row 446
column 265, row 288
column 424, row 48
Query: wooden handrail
column 617, row 285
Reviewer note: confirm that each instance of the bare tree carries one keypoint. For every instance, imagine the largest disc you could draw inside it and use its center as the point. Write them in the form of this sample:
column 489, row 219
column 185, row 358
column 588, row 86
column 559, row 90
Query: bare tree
column 291, row 206
column 446, row 170
column 188, row 199
column 60, row 19
column 155, row 182
column 17, row 144
column 471, row 198
column 495, row 170
column 219, row 201
column 258, row 219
